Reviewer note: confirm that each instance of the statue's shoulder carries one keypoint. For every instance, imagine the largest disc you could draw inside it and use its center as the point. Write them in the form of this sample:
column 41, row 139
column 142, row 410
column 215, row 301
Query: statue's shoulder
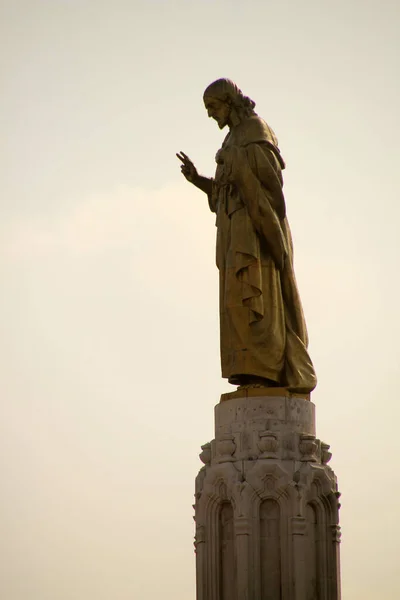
column 253, row 130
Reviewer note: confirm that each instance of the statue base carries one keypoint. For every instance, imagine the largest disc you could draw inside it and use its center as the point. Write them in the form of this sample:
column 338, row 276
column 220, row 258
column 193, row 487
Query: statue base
column 267, row 503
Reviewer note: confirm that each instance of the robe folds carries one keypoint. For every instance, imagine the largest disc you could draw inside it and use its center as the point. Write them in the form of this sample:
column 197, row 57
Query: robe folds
column 262, row 327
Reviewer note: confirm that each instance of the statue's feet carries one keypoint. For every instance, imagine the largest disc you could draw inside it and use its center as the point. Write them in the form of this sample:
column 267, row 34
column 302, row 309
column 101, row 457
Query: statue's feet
column 246, row 382
column 248, row 386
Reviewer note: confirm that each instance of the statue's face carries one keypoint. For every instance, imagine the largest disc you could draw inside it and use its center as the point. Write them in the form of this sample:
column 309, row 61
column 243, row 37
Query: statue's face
column 218, row 110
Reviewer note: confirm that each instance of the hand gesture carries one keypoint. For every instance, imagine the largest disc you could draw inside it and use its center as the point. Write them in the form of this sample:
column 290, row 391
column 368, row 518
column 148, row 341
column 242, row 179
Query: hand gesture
column 188, row 169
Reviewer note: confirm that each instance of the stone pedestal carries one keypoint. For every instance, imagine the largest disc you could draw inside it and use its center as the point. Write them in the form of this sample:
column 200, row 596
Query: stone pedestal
column 267, row 503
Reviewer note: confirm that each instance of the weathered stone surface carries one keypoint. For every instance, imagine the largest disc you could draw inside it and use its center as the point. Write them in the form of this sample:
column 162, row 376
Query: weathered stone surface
column 267, row 504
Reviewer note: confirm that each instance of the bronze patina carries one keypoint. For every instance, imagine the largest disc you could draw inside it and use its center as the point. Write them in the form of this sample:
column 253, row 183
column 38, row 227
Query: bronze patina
column 263, row 334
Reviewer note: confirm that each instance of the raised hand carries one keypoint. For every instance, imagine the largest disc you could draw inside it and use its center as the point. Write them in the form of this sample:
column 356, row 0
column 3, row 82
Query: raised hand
column 188, row 169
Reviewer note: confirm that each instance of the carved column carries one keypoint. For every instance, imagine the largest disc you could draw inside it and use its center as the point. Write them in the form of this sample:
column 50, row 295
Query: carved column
column 266, row 505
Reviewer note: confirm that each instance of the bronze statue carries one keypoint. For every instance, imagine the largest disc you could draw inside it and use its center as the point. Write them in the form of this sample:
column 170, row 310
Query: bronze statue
column 262, row 328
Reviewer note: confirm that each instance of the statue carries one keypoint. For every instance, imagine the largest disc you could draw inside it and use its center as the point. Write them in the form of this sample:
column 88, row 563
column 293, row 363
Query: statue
column 263, row 334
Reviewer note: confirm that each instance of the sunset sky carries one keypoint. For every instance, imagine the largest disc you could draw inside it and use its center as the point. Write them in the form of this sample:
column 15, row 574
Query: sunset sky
column 109, row 337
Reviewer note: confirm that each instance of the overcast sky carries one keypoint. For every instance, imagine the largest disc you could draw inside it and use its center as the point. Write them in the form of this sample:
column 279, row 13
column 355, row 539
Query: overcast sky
column 109, row 300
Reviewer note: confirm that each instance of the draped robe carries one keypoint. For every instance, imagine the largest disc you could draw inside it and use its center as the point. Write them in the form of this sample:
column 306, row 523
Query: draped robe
column 262, row 327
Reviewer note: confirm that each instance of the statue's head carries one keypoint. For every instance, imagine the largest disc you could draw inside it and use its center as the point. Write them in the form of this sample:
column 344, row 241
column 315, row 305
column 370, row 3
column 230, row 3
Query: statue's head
column 226, row 103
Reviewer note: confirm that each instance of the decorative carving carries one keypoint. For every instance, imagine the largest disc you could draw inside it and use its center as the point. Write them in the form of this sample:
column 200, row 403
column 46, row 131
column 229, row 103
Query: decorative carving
column 199, row 482
column 325, row 454
column 271, row 520
column 200, row 536
column 222, row 491
column 268, row 444
column 336, row 533
column 226, row 447
column 308, row 447
column 205, row 454
column 269, row 484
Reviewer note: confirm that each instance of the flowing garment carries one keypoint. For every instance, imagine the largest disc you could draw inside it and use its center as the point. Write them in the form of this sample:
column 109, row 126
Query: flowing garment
column 262, row 327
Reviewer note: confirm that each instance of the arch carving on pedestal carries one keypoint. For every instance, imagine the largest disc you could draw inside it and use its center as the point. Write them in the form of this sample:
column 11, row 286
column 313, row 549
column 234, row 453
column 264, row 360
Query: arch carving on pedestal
column 321, row 511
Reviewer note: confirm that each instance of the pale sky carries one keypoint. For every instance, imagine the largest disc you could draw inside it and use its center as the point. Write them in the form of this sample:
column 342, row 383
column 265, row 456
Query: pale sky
column 109, row 343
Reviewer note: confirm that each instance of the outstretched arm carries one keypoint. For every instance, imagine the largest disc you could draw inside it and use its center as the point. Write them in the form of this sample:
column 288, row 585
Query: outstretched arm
column 190, row 172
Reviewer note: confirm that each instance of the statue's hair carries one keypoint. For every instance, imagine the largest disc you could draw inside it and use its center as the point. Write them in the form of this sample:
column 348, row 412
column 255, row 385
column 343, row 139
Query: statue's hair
column 227, row 91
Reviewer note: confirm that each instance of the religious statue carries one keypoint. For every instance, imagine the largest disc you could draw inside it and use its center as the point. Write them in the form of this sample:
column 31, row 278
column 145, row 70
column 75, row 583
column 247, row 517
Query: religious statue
column 263, row 334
